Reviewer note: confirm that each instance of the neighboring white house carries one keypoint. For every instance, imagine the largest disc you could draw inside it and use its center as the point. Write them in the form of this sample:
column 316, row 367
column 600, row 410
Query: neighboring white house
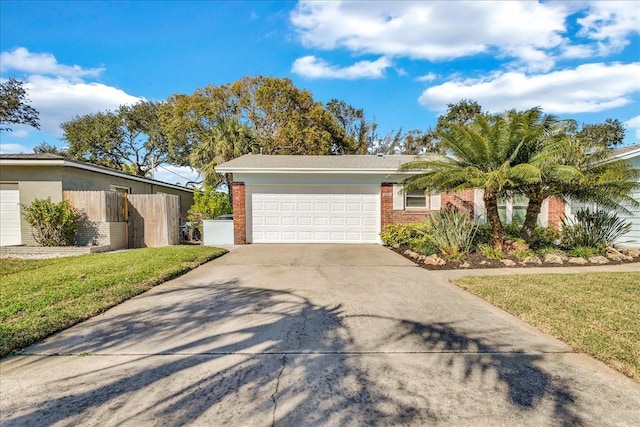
column 632, row 215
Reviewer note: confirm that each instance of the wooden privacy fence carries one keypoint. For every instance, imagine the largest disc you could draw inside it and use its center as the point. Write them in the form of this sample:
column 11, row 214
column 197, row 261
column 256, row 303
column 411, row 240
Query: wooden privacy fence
column 99, row 206
column 152, row 219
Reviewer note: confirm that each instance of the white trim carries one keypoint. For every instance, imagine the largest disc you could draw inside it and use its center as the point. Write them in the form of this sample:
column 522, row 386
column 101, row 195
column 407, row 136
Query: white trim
column 89, row 167
column 435, row 201
column 479, row 211
column 628, row 155
column 398, row 197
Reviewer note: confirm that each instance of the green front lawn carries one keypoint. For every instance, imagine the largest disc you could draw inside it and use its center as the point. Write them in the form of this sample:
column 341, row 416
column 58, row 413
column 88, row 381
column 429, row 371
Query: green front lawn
column 596, row 313
column 40, row 297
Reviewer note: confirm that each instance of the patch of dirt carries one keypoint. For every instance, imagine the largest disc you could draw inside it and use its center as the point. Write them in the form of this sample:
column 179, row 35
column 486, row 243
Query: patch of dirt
column 479, row 261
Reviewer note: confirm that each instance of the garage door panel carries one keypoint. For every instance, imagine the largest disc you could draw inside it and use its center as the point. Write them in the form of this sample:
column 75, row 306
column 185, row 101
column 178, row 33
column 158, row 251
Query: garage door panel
column 314, row 214
column 10, row 232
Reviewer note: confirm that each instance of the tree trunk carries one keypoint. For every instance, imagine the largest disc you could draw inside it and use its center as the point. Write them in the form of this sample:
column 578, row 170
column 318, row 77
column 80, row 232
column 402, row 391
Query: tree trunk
column 228, row 177
column 491, row 205
column 531, row 219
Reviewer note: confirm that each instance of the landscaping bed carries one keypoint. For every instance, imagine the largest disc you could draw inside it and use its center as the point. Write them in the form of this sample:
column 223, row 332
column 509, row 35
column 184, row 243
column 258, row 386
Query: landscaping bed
column 476, row 260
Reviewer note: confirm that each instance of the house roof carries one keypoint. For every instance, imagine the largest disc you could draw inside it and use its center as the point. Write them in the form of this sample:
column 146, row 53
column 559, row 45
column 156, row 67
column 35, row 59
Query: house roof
column 627, row 152
column 47, row 159
column 259, row 163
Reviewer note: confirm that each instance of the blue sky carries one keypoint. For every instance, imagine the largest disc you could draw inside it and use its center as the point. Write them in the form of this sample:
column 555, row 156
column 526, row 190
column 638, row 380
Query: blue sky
column 400, row 61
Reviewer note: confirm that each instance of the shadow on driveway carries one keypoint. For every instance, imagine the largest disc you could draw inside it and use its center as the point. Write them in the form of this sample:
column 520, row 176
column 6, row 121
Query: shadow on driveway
column 246, row 355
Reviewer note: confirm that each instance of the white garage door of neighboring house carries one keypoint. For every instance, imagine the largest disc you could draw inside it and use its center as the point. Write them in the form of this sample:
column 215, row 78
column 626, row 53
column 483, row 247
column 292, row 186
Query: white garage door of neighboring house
column 632, row 238
column 9, row 215
column 314, row 214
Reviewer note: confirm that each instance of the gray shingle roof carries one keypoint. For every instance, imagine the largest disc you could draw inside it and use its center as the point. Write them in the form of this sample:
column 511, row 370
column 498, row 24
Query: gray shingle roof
column 260, row 162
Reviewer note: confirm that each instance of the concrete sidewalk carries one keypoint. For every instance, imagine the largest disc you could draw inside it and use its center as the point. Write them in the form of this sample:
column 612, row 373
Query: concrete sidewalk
column 312, row 335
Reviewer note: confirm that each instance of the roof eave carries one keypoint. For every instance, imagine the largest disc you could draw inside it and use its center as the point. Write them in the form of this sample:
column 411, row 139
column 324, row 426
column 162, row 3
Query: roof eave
column 349, row 171
column 89, row 167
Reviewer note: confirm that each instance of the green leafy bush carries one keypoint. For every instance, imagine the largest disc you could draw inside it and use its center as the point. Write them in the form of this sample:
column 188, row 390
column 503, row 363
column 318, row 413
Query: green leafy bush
column 586, row 252
column 522, row 255
column 513, row 230
column 489, row 251
column 207, row 204
column 544, row 237
column 592, row 229
column 484, row 233
column 451, row 232
column 402, row 234
column 54, row 224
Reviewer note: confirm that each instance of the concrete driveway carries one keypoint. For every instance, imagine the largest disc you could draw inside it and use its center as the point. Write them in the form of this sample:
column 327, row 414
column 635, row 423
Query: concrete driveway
column 310, row 335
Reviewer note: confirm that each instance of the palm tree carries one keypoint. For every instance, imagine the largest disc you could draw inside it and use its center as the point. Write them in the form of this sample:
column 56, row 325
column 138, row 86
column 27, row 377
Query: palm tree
column 483, row 154
column 225, row 141
column 583, row 170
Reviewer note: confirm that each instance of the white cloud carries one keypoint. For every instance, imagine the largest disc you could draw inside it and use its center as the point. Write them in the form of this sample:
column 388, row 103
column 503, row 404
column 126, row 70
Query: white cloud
column 59, row 99
column 610, row 23
column 20, row 59
column 429, row 77
column 533, row 34
column 60, row 92
column 587, row 88
column 429, row 30
column 317, row 68
column 12, row 148
column 633, row 124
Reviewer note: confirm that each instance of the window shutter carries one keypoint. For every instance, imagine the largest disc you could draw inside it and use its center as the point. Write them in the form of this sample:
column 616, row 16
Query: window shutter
column 398, row 198
column 435, row 201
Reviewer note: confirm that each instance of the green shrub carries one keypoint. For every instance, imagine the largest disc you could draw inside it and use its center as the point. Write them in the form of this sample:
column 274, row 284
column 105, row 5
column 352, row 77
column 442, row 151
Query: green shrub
column 403, row 234
column 489, row 252
column 544, row 237
column 422, row 246
column 522, row 255
column 586, row 252
column 207, row 204
column 483, row 235
column 54, row 224
column 592, row 229
column 451, row 231
column 513, row 230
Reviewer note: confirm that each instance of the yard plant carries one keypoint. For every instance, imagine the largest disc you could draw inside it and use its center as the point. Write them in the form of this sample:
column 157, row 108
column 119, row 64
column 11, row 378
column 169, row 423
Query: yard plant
column 597, row 313
column 40, row 297
column 54, row 224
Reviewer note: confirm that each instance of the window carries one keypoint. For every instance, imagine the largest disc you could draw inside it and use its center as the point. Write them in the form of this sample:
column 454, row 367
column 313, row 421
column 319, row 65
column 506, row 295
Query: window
column 120, row 189
column 513, row 209
column 416, row 200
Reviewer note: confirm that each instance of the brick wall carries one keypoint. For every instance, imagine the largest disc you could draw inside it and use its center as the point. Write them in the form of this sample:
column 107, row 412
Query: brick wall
column 556, row 212
column 463, row 200
column 239, row 214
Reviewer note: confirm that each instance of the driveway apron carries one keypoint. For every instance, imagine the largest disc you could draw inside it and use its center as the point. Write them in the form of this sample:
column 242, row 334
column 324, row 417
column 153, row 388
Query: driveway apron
column 310, row 335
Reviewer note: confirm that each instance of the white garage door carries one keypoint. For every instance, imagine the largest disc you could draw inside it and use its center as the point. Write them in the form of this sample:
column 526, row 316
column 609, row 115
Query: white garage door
column 632, row 238
column 9, row 215
column 314, row 214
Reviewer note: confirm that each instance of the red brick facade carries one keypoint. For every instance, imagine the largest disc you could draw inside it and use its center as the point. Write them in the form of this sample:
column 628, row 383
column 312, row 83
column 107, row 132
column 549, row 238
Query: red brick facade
column 239, row 214
column 463, row 200
column 556, row 212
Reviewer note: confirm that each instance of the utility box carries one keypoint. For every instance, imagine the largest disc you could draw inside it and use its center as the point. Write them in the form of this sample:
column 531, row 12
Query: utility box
column 218, row 232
